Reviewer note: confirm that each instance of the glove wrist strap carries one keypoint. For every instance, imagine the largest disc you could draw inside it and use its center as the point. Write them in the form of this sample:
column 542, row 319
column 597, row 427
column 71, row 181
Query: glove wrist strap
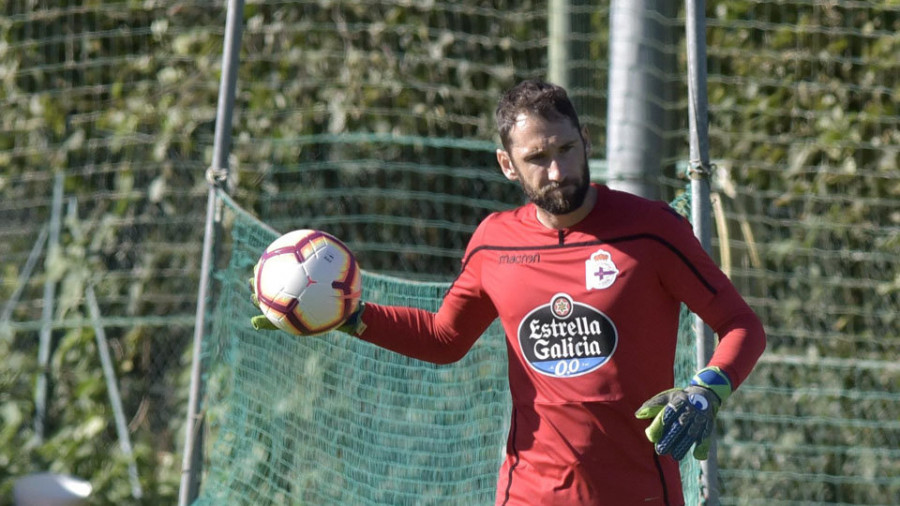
column 714, row 379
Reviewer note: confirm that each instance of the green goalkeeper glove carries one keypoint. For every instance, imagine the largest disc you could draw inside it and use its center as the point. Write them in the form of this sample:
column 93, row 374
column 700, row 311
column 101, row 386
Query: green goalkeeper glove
column 684, row 417
column 352, row 325
column 258, row 322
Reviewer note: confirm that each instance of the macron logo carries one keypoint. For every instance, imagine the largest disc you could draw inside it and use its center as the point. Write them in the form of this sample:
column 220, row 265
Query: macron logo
column 525, row 258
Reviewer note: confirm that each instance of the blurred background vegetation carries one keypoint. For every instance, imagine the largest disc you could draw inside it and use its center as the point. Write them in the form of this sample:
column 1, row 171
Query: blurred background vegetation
column 373, row 120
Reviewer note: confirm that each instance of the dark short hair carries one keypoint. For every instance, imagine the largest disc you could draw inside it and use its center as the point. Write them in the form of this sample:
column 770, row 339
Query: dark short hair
column 533, row 96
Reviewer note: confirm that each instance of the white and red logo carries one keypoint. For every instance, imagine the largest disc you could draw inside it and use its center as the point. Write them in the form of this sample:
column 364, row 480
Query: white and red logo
column 599, row 270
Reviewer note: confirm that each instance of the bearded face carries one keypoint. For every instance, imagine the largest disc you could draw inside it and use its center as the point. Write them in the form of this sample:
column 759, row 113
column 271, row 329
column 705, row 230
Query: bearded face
column 548, row 156
column 559, row 197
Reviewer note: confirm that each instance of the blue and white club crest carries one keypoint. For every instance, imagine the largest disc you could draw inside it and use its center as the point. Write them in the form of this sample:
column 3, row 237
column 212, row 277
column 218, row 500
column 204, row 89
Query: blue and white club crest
column 599, row 270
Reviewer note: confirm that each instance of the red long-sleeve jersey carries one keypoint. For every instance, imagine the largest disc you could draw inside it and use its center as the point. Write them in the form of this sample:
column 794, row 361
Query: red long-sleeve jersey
column 591, row 316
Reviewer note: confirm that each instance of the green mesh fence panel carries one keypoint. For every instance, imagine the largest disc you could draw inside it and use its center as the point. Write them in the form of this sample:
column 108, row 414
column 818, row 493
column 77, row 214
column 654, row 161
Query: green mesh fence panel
column 335, row 420
column 380, row 193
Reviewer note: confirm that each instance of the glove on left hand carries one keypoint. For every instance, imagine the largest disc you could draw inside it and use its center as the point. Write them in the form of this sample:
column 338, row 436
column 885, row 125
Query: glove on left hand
column 684, row 417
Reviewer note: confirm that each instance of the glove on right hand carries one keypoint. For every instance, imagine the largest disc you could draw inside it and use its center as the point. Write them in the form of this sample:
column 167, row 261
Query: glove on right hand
column 353, row 325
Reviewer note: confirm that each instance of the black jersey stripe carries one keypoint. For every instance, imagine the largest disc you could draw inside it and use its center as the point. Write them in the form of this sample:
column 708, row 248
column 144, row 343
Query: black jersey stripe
column 515, row 453
column 662, row 479
column 626, row 238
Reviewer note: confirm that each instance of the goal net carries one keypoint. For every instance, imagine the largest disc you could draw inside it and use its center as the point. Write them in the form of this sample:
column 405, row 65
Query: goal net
column 336, row 420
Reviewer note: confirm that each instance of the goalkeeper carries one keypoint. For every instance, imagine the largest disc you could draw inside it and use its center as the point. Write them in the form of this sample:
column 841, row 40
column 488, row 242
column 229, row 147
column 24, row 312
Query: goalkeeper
column 588, row 284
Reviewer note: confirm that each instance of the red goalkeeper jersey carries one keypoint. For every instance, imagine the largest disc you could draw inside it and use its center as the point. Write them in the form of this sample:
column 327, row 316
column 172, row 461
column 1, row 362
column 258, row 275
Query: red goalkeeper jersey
column 591, row 317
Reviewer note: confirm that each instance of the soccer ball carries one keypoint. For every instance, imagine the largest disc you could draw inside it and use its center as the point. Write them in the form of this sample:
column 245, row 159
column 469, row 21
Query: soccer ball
column 307, row 282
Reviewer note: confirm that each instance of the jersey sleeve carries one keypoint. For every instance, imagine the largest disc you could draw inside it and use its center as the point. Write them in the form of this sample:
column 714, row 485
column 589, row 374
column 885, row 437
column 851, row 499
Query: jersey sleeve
column 707, row 291
column 442, row 337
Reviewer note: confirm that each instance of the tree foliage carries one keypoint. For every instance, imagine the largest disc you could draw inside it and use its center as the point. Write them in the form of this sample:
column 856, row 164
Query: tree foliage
column 120, row 96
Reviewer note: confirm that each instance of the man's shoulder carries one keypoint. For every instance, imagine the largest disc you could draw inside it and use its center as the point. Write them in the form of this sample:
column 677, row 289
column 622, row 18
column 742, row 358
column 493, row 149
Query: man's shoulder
column 514, row 217
column 508, row 228
column 622, row 199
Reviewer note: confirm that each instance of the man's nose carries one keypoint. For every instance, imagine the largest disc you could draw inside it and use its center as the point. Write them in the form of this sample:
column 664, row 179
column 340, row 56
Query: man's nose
column 555, row 172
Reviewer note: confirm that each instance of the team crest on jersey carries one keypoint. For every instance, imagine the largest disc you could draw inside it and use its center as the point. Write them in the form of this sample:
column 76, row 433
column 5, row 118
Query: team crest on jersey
column 565, row 338
column 599, row 270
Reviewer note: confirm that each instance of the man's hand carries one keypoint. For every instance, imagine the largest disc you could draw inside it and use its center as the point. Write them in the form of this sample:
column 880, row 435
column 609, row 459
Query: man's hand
column 685, row 417
column 353, row 325
column 258, row 322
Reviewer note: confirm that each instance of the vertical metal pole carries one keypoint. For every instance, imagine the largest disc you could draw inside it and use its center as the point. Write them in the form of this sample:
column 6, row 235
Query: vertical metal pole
column 24, row 276
column 700, row 172
column 569, row 53
column 637, row 119
column 559, row 29
column 46, row 334
column 217, row 174
column 112, row 387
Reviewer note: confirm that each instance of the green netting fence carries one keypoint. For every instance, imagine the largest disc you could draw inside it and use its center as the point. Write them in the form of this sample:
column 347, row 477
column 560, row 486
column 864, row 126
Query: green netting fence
column 118, row 99
column 336, row 420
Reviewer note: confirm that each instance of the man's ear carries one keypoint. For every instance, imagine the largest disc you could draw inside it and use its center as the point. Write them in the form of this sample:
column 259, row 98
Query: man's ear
column 585, row 136
column 506, row 165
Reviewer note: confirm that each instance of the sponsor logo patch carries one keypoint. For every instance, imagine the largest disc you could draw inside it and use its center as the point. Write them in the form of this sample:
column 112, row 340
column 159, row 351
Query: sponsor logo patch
column 565, row 338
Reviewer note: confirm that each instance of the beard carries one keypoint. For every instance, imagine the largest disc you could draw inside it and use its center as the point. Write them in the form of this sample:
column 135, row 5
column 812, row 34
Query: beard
column 560, row 197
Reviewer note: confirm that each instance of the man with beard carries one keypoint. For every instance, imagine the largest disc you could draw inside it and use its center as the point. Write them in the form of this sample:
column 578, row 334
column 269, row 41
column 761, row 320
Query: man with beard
column 588, row 284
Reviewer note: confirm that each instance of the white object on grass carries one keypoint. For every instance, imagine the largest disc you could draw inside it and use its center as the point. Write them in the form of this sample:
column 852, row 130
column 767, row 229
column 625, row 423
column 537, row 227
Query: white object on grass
column 50, row 489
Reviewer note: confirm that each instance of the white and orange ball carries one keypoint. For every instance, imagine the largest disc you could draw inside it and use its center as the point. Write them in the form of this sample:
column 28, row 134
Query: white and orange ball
column 307, row 282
